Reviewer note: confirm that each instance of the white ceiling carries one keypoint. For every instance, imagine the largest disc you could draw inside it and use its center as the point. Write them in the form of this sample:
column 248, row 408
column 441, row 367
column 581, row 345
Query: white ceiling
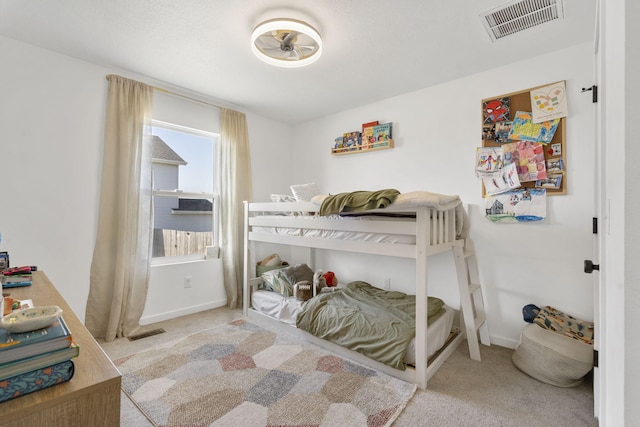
column 372, row 49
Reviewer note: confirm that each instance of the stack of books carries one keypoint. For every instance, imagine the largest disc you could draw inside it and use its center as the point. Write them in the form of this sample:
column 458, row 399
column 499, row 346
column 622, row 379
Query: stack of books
column 34, row 360
column 17, row 276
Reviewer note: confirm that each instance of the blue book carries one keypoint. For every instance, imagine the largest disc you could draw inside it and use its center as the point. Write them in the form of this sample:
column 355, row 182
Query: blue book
column 35, row 380
column 17, row 280
column 15, row 346
column 17, row 284
column 22, row 366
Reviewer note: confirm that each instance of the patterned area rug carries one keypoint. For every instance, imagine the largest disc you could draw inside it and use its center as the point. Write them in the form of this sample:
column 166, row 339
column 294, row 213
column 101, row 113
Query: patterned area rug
column 240, row 374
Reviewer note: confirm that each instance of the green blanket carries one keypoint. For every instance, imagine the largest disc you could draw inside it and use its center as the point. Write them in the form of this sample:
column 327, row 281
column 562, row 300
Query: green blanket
column 358, row 201
column 377, row 323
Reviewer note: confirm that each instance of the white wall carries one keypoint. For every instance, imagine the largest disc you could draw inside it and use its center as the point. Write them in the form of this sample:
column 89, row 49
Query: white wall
column 51, row 121
column 168, row 298
column 51, row 133
column 436, row 131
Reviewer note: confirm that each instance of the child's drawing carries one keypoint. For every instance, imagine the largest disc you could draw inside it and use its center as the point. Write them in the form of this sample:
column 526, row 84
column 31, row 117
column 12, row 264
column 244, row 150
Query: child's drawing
column 503, row 180
column 523, row 128
column 528, row 158
column 549, row 102
column 489, row 160
column 521, row 205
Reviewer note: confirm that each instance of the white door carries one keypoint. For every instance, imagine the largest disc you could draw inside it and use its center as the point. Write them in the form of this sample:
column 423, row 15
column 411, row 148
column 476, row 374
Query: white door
column 600, row 221
column 599, row 244
column 611, row 187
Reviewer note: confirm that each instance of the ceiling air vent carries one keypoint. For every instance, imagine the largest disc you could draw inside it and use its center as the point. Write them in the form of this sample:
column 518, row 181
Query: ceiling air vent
column 519, row 15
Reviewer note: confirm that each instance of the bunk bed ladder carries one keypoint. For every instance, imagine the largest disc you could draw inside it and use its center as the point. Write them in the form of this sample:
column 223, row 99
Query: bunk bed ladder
column 471, row 300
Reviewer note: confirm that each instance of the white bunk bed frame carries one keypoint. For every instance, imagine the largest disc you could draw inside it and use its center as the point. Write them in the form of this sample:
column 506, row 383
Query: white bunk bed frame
column 434, row 231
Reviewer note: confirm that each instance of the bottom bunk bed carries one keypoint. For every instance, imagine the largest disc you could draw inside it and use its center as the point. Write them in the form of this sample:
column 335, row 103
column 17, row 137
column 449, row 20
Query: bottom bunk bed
column 372, row 326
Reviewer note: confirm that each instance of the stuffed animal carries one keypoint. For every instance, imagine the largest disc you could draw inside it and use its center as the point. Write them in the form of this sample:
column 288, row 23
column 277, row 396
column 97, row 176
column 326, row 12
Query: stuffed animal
column 303, row 290
column 331, row 279
column 271, row 260
column 318, row 280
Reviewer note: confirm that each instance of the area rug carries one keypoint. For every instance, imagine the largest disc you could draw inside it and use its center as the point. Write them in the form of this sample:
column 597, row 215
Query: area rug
column 240, row 374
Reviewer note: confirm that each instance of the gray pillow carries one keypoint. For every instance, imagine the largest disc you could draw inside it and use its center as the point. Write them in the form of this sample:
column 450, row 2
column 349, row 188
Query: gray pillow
column 280, row 281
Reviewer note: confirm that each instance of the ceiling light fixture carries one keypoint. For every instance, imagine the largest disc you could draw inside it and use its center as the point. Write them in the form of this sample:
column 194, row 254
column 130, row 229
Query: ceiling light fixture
column 286, row 43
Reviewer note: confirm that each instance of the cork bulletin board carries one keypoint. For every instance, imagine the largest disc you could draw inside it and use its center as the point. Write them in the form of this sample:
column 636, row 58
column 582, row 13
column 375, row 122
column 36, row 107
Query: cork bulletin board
column 498, row 112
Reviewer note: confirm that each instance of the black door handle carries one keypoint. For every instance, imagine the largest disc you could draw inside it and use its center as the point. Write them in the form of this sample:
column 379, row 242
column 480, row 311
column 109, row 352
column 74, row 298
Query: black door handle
column 589, row 266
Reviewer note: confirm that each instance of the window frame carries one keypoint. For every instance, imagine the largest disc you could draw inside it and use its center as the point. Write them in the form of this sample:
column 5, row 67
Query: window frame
column 214, row 196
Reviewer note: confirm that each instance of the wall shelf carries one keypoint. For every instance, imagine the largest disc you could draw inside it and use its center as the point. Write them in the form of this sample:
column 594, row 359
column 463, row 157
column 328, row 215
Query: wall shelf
column 364, row 148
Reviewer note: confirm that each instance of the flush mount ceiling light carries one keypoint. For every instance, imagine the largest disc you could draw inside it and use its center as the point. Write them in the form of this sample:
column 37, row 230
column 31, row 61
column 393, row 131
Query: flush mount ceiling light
column 286, row 43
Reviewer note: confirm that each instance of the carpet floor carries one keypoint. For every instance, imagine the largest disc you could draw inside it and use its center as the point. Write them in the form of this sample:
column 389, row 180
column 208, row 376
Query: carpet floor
column 242, row 374
column 462, row 393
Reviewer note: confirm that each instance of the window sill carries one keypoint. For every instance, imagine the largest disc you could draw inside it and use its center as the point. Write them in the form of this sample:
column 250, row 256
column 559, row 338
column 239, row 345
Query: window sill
column 177, row 260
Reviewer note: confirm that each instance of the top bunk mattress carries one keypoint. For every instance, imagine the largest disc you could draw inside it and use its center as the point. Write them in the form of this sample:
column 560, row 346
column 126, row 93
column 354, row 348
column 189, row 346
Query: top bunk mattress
column 307, row 229
column 336, row 217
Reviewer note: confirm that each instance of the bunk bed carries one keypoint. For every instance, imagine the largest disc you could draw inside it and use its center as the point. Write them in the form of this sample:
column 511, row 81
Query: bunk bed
column 415, row 225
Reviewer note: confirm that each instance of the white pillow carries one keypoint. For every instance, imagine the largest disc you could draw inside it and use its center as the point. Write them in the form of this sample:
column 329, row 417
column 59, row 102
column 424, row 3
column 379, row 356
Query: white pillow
column 319, row 199
column 305, row 192
column 279, row 198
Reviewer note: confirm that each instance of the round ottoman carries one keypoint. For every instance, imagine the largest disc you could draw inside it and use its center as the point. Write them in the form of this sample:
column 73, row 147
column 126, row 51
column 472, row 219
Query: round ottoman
column 551, row 357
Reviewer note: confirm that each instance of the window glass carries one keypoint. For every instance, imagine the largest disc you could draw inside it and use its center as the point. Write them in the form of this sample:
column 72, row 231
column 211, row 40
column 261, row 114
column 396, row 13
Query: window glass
column 184, row 200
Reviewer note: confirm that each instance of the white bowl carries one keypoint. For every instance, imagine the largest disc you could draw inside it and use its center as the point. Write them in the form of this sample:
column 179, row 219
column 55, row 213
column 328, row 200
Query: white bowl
column 30, row 319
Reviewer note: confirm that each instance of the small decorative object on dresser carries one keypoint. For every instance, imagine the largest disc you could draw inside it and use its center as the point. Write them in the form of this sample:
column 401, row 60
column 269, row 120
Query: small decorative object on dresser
column 30, row 319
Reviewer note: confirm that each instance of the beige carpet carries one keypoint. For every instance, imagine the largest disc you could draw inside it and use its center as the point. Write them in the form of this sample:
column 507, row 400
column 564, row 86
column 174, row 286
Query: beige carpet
column 241, row 374
column 462, row 393
column 494, row 393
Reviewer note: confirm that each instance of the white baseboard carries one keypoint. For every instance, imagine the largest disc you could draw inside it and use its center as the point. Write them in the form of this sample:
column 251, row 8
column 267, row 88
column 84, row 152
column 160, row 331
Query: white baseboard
column 504, row 342
column 146, row 320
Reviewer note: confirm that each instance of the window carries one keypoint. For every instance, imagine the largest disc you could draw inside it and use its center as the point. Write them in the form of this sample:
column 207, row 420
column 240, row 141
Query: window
column 185, row 213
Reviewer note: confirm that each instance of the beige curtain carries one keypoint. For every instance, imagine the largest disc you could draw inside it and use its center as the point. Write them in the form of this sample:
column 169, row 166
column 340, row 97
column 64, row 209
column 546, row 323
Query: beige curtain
column 234, row 189
column 120, row 267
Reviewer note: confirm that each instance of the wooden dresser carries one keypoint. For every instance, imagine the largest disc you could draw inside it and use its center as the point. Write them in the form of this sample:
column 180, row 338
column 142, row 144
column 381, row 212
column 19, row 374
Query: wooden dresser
column 90, row 398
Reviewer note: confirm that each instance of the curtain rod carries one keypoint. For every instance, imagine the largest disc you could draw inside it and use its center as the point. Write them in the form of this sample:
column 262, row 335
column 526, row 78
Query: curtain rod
column 167, row 91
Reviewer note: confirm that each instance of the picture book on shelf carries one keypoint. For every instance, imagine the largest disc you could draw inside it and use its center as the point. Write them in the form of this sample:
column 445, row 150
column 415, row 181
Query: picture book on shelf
column 382, row 133
column 369, row 125
column 367, row 136
column 14, row 346
column 351, row 140
column 38, row 361
column 35, row 380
